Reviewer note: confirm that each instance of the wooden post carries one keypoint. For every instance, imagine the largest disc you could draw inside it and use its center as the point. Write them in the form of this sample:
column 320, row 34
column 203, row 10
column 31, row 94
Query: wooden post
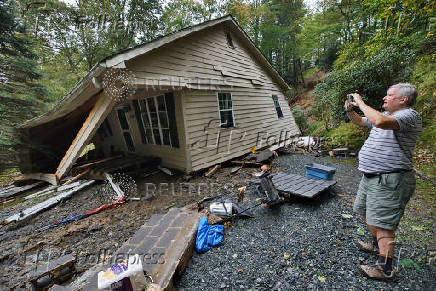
column 96, row 116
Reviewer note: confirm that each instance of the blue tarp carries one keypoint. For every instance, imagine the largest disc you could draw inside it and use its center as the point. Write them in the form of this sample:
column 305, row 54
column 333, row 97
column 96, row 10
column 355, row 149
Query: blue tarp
column 208, row 236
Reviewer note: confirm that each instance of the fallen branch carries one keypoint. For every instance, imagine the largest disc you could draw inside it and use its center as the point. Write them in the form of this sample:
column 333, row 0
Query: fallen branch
column 212, row 171
column 425, row 177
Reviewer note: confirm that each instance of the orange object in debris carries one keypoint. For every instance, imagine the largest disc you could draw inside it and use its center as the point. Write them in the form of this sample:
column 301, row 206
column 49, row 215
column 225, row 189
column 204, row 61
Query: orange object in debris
column 265, row 168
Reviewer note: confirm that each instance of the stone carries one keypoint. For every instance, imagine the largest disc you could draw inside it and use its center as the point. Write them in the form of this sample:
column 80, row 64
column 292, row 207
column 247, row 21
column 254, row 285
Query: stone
column 95, row 228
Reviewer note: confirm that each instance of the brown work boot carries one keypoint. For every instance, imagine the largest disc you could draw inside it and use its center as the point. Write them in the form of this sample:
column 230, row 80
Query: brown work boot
column 368, row 247
column 376, row 272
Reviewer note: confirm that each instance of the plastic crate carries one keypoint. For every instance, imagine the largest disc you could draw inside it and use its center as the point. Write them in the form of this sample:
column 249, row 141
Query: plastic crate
column 318, row 171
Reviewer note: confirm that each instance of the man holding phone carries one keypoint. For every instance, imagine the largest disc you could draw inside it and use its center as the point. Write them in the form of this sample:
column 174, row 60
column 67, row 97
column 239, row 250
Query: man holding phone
column 388, row 180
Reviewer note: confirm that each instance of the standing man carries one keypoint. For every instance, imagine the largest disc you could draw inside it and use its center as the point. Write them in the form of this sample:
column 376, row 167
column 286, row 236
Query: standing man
column 388, row 180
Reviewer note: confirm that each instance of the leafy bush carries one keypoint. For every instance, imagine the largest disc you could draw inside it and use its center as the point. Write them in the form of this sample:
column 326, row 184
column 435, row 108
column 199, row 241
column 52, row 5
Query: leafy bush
column 425, row 81
column 346, row 134
column 370, row 76
column 300, row 119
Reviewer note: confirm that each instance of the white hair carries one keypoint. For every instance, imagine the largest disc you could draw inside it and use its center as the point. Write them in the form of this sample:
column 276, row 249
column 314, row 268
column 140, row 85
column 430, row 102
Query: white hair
column 406, row 89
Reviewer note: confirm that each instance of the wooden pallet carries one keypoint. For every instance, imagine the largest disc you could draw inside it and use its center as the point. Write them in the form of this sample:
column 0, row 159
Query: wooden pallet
column 300, row 186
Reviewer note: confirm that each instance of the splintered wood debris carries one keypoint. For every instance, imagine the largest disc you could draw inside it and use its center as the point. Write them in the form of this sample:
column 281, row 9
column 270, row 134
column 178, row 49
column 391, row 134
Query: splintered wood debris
column 46, row 204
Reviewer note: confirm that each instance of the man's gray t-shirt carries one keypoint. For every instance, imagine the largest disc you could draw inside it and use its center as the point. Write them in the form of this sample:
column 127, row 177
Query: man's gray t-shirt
column 387, row 150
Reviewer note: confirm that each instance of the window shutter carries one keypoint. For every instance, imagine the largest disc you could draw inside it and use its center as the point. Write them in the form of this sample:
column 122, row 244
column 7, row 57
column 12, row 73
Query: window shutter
column 171, row 109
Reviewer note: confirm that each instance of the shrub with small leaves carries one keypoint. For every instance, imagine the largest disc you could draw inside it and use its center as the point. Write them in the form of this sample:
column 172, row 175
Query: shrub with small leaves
column 300, row 119
column 370, row 76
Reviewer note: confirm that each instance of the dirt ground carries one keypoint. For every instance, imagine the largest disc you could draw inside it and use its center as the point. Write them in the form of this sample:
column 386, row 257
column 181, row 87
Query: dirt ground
column 24, row 245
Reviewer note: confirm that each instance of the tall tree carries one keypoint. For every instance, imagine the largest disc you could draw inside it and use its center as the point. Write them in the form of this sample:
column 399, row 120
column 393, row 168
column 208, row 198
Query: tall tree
column 21, row 96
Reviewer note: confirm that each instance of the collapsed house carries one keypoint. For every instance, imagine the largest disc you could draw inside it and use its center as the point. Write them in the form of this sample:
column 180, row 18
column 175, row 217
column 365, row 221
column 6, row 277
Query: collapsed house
column 193, row 98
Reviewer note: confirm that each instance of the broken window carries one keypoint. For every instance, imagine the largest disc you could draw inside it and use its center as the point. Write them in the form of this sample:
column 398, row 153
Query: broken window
column 226, row 110
column 277, row 106
column 154, row 122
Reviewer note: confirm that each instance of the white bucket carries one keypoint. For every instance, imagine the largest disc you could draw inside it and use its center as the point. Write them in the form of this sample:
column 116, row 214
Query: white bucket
column 219, row 208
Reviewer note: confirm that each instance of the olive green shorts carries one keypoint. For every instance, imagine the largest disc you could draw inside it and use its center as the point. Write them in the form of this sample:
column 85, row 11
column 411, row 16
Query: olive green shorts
column 382, row 198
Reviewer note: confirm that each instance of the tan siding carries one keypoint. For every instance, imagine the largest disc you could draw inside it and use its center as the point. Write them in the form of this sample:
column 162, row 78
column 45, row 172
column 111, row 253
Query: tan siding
column 205, row 56
column 206, row 64
column 252, row 121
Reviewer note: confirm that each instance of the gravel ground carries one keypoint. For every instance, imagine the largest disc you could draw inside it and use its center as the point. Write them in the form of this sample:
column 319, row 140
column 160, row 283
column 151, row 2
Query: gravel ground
column 300, row 245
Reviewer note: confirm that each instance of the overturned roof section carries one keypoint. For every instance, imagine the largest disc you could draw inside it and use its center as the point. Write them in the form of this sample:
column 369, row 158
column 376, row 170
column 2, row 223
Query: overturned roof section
column 87, row 86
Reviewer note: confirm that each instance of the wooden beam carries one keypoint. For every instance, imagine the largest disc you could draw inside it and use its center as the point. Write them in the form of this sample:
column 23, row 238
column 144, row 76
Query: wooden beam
column 98, row 162
column 16, row 190
column 35, row 209
column 76, row 177
column 49, row 178
column 97, row 115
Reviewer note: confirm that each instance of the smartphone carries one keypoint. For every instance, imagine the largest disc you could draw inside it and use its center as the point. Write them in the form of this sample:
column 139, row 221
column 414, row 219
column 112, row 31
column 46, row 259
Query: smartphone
column 350, row 98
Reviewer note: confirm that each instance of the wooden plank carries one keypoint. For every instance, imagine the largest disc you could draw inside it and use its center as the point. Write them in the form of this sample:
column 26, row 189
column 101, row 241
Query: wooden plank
column 97, row 115
column 98, row 162
column 35, row 209
column 44, row 192
column 11, row 192
column 77, row 177
column 212, row 171
column 49, row 178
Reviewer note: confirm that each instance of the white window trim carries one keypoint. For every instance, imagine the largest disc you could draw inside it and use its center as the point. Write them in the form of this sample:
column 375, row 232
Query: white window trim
column 142, row 119
column 219, row 110
column 158, row 121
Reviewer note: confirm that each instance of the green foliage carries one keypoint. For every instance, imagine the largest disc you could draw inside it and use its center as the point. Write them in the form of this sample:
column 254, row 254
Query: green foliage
column 370, row 76
column 409, row 263
column 300, row 119
column 273, row 26
column 424, row 77
column 21, row 96
column 346, row 134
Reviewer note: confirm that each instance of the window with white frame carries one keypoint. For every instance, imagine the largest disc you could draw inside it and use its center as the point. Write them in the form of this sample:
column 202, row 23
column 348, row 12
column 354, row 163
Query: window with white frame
column 277, row 106
column 226, row 110
column 152, row 117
